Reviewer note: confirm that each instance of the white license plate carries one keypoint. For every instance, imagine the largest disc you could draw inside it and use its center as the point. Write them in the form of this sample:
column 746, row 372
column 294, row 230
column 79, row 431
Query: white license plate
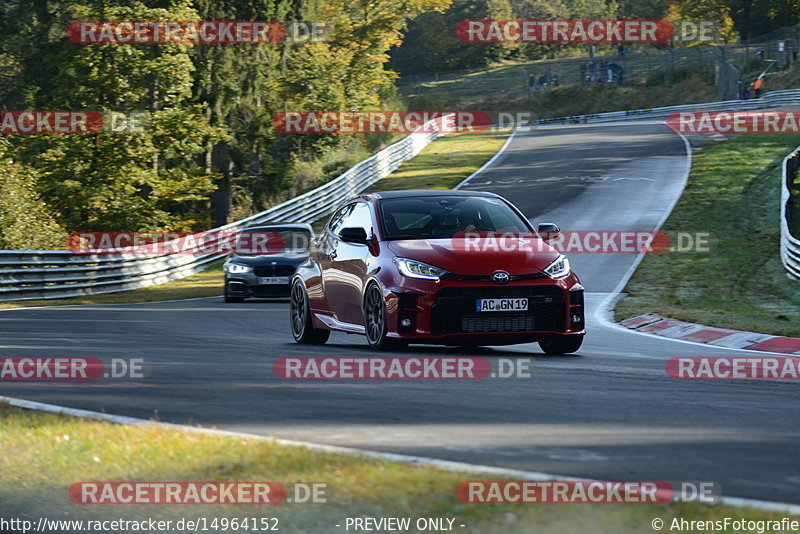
column 271, row 280
column 500, row 305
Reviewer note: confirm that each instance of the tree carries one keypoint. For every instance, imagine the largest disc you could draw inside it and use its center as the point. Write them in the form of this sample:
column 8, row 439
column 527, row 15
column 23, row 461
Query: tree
column 363, row 32
column 239, row 85
column 433, row 36
column 148, row 180
column 563, row 10
column 26, row 222
column 751, row 18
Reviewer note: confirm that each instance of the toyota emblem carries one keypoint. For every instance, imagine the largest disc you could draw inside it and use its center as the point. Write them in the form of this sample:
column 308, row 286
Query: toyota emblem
column 501, row 277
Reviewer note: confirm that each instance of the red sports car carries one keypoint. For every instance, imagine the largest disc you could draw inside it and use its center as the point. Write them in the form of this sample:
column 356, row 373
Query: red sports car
column 441, row 267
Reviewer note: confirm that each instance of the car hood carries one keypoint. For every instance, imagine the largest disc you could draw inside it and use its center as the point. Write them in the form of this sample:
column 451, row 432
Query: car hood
column 455, row 256
column 267, row 259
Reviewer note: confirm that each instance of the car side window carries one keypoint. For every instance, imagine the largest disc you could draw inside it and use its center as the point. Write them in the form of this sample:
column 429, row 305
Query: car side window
column 358, row 217
column 336, row 221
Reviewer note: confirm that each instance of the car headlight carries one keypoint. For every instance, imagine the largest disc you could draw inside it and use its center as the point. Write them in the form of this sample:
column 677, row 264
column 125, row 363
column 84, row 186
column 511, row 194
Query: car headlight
column 235, row 268
column 558, row 269
column 417, row 269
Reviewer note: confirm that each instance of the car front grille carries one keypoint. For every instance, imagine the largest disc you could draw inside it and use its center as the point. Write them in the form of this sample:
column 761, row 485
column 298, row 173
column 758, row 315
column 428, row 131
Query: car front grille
column 454, row 311
column 266, row 291
column 274, row 270
column 488, row 277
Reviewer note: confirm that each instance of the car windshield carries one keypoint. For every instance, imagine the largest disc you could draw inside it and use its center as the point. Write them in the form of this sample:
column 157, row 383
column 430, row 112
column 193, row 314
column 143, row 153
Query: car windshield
column 446, row 216
column 273, row 240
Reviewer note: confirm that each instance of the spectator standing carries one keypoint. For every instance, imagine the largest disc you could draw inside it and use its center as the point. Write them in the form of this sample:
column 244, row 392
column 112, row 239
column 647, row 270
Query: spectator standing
column 758, row 86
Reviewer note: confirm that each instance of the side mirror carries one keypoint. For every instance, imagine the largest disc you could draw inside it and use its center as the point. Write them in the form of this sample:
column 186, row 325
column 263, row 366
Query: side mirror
column 548, row 231
column 354, row 234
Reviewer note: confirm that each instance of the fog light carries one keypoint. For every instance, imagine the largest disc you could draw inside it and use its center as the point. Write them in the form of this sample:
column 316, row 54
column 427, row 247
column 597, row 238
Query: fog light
column 405, row 322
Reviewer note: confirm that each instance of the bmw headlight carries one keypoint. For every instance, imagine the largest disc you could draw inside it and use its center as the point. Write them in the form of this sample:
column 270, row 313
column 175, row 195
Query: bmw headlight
column 236, row 268
column 418, row 269
column 558, row 269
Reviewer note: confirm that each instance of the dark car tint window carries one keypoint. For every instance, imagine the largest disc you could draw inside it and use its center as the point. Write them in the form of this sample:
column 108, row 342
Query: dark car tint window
column 358, row 217
column 442, row 216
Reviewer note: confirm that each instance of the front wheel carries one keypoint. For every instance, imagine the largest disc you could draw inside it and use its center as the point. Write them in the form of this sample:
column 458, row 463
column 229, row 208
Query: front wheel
column 376, row 324
column 303, row 330
column 561, row 344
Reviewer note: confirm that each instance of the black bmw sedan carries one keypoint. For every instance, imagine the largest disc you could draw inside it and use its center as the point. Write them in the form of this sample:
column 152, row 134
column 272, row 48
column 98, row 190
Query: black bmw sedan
column 266, row 257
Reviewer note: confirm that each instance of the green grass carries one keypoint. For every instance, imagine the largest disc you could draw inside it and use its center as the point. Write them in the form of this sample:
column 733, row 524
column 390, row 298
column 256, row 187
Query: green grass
column 510, row 78
column 650, row 82
column 445, row 162
column 42, row 454
column 733, row 193
column 207, row 283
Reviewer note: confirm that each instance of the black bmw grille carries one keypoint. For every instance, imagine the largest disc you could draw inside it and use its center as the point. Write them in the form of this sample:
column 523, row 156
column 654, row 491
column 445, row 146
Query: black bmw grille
column 455, row 313
column 274, row 270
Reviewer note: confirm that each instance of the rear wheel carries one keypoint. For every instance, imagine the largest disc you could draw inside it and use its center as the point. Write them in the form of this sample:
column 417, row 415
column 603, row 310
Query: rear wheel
column 303, row 330
column 376, row 325
column 561, row 344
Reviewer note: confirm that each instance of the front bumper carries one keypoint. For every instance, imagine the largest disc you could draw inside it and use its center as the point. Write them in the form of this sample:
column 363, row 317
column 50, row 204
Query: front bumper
column 247, row 285
column 444, row 312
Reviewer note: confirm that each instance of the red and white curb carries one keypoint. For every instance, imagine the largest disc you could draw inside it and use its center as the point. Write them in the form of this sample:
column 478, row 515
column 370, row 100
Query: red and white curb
column 653, row 323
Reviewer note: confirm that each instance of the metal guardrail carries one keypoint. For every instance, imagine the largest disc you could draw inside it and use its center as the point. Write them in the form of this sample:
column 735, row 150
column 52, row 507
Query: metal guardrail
column 50, row 274
column 790, row 245
column 788, row 97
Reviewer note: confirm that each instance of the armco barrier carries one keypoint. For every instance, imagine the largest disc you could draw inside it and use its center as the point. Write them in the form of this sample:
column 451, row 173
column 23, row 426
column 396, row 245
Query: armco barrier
column 788, row 97
column 790, row 245
column 50, row 274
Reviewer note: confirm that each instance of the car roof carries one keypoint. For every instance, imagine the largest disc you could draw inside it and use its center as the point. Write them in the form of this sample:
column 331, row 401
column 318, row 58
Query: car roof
column 430, row 193
column 273, row 226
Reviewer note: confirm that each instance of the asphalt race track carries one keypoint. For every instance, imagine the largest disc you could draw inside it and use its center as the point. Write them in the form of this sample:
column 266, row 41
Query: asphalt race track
column 609, row 412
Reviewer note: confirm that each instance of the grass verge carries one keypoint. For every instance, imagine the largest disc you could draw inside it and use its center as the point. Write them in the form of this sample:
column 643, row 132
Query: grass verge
column 207, row 283
column 733, row 193
column 445, row 163
column 42, row 455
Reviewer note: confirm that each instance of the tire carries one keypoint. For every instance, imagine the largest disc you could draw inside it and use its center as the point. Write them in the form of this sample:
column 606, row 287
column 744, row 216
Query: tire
column 561, row 345
column 376, row 325
column 233, row 299
column 303, row 330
